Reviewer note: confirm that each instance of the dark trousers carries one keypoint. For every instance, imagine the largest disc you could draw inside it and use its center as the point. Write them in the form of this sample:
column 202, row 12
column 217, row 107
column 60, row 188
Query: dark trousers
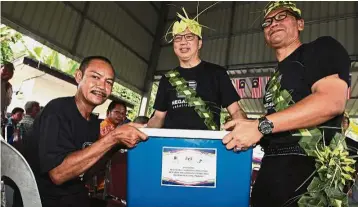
column 278, row 179
column 75, row 200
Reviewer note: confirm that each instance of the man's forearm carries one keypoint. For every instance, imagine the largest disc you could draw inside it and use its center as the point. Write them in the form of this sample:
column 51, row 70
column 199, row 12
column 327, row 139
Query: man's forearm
column 311, row 111
column 101, row 163
column 80, row 161
column 155, row 122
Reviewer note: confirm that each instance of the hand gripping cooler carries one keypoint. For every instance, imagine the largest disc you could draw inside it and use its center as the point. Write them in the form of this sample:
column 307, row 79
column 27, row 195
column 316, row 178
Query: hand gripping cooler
column 179, row 168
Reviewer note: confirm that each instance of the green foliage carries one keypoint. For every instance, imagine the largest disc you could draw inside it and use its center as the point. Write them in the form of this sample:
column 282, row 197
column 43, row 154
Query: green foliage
column 333, row 166
column 334, row 169
column 192, row 99
column 73, row 66
column 56, row 60
column 223, row 115
column 8, row 38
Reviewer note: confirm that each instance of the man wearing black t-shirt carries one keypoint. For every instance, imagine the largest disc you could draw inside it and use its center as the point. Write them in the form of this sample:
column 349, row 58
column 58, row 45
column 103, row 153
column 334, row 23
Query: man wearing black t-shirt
column 315, row 75
column 210, row 82
column 63, row 143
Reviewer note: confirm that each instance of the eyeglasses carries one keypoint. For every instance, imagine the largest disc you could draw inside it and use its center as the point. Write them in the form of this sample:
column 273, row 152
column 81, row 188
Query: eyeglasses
column 188, row 37
column 278, row 17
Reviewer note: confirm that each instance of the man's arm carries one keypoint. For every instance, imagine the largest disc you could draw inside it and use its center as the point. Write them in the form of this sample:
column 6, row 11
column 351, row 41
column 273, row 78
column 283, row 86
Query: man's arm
column 157, row 121
column 236, row 111
column 328, row 99
column 101, row 163
column 80, row 161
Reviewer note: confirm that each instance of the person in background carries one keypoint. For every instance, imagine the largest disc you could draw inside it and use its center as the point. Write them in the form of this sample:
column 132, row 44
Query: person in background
column 14, row 136
column 351, row 144
column 141, row 120
column 127, row 120
column 12, row 131
column 32, row 108
column 7, row 72
column 352, row 147
column 116, row 115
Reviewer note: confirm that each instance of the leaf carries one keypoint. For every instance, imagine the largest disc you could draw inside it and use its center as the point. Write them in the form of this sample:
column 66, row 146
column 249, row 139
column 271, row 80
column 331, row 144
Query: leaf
column 315, row 185
column 337, row 141
column 347, row 177
column 308, row 201
column 38, row 52
column 334, row 193
column 332, row 163
column 73, row 67
column 348, row 169
column 56, row 60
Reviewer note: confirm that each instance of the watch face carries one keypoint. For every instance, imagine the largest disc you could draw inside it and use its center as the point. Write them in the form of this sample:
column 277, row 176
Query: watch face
column 265, row 127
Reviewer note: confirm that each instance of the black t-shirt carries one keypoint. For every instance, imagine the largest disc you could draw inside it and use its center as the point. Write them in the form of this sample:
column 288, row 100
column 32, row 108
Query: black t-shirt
column 59, row 130
column 212, row 84
column 299, row 71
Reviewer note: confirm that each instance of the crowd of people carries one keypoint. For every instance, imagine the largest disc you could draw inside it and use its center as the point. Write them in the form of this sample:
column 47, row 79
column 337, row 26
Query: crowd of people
column 66, row 140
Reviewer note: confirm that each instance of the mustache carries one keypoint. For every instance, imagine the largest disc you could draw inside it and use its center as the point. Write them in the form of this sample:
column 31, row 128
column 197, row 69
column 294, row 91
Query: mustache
column 100, row 92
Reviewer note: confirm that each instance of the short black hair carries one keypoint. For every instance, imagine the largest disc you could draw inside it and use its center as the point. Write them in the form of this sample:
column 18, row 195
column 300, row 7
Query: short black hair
column 17, row 109
column 141, row 120
column 86, row 61
column 113, row 104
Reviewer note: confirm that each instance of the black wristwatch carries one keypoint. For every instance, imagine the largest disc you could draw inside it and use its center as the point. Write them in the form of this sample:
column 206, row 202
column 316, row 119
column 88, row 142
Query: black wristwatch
column 265, row 126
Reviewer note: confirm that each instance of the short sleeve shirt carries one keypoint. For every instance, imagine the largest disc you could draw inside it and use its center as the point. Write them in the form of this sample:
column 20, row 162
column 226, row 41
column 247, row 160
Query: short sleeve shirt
column 300, row 71
column 58, row 131
column 211, row 82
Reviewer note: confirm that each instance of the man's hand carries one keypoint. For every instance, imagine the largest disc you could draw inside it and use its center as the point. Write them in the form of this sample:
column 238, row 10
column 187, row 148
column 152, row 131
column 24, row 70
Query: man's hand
column 244, row 135
column 128, row 135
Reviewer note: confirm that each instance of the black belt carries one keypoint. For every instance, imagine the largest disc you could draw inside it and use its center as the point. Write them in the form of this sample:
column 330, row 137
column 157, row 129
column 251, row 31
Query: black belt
column 284, row 150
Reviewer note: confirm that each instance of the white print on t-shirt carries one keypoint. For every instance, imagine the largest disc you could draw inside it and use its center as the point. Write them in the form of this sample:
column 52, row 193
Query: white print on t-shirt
column 268, row 101
column 180, row 102
column 269, row 97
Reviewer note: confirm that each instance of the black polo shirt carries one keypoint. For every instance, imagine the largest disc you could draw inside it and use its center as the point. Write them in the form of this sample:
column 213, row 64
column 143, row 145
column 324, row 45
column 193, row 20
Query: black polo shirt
column 58, row 131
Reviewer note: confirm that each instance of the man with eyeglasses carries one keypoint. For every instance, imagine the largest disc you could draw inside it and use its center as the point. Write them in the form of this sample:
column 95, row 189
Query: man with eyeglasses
column 315, row 77
column 191, row 96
